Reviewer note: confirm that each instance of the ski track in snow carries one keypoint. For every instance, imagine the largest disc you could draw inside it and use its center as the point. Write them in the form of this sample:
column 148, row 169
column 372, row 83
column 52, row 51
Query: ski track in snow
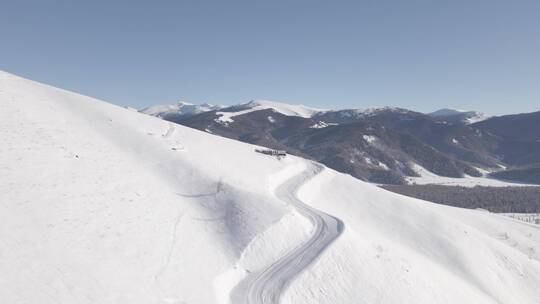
column 170, row 131
column 267, row 286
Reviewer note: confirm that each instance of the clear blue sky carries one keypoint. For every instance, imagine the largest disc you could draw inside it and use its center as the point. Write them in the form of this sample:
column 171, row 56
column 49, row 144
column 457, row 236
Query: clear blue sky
column 423, row 55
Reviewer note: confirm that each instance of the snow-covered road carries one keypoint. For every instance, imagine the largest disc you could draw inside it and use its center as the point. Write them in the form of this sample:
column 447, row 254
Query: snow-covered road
column 268, row 285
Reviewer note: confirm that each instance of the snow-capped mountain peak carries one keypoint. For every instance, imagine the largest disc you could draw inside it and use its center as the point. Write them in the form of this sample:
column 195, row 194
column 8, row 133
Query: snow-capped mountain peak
column 283, row 108
column 226, row 116
column 182, row 108
column 370, row 111
column 467, row 117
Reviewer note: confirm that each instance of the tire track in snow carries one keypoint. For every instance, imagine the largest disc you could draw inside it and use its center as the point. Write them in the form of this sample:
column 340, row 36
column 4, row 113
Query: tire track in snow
column 267, row 286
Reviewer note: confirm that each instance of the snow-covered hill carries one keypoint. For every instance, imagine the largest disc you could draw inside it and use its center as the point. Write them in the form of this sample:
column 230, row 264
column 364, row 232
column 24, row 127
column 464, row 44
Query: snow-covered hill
column 100, row 204
column 257, row 105
column 451, row 115
column 181, row 109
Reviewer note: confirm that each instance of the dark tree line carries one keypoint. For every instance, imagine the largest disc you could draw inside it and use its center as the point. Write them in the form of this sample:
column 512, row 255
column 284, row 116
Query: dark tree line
column 525, row 175
column 494, row 199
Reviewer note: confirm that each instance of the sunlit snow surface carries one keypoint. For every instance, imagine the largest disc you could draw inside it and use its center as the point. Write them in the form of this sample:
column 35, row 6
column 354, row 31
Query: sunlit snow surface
column 100, row 204
column 257, row 105
column 427, row 177
column 181, row 108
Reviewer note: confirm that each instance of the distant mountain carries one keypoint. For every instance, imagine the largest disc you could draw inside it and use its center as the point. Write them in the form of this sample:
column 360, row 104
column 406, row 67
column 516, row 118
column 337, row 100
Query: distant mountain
column 529, row 175
column 518, row 136
column 181, row 109
column 524, row 127
column 382, row 145
column 279, row 107
column 458, row 116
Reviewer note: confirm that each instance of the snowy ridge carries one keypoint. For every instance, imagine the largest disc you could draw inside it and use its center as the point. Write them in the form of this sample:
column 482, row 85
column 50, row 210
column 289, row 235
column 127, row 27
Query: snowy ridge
column 181, row 108
column 370, row 111
column 226, row 117
column 279, row 107
column 468, row 117
column 93, row 195
column 476, row 117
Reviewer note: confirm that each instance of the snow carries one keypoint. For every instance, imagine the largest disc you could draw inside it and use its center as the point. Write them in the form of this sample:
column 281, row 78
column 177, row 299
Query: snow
column 97, row 207
column 469, row 117
column 410, row 251
column 322, row 124
column 266, row 285
column 367, row 112
column 226, row 117
column 369, row 138
column 383, row 165
column 428, row 177
column 279, row 107
column 375, row 110
column 378, row 163
column 181, row 108
column 476, row 117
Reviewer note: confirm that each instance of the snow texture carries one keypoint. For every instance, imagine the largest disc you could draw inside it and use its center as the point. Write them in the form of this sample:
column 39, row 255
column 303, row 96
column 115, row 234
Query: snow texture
column 469, row 117
column 322, row 124
column 257, row 105
column 181, row 108
column 369, row 138
column 428, row 177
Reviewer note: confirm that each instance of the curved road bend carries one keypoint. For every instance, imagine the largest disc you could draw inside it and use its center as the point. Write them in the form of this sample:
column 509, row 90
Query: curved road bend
column 267, row 285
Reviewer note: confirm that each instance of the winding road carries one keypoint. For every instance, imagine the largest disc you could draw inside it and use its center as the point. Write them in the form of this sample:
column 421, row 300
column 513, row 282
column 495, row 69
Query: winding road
column 267, row 286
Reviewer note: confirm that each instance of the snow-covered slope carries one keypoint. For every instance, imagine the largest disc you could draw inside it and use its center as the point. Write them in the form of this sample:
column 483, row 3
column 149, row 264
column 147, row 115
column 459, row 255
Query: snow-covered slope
column 99, row 204
column 468, row 117
column 426, row 177
column 401, row 250
column 366, row 112
column 257, row 105
column 181, row 108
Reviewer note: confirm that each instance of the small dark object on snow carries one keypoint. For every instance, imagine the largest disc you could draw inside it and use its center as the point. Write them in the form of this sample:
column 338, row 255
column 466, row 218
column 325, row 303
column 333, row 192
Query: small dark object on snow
column 278, row 153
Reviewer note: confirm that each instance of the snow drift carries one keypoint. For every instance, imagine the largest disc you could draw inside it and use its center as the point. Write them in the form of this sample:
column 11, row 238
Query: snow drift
column 99, row 204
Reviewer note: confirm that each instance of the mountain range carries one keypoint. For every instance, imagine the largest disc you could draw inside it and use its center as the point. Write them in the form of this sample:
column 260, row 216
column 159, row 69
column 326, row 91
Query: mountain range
column 382, row 145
